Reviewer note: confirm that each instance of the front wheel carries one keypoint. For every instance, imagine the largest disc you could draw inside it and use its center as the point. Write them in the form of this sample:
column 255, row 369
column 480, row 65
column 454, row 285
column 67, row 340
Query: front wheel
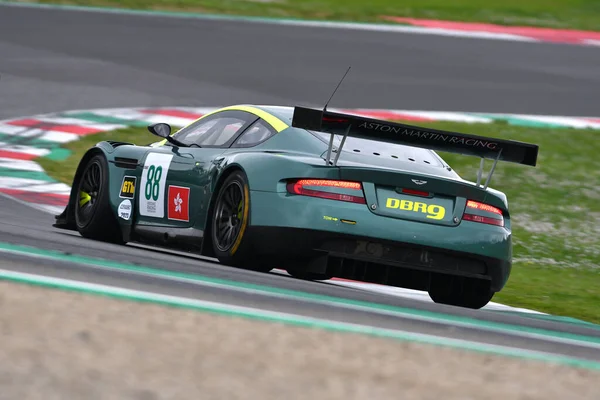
column 461, row 292
column 230, row 218
column 94, row 218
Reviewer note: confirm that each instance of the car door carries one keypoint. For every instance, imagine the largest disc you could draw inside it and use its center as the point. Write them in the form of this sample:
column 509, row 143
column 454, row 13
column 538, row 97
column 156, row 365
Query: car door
column 175, row 180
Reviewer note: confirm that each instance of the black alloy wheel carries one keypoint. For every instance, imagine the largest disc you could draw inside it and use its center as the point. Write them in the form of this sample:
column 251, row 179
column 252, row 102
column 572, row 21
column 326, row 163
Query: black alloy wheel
column 232, row 243
column 229, row 215
column 87, row 193
column 94, row 217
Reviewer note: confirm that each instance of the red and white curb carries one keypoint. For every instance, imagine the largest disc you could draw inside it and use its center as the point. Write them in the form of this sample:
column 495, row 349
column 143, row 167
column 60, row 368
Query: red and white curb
column 22, row 140
column 501, row 32
column 456, row 29
column 410, row 293
column 404, row 25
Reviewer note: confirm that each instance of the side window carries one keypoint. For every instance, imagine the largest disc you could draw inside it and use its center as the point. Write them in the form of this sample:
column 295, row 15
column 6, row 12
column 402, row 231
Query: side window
column 215, row 130
column 257, row 133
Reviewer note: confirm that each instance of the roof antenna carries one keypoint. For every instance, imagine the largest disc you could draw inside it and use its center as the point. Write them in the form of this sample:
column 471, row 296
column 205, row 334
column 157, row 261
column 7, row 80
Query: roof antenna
column 336, row 88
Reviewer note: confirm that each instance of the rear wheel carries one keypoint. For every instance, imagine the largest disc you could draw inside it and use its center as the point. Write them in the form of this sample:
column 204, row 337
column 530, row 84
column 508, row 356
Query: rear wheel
column 461, row 292
column 309, row 276
column 231, row 216
column 94, row 218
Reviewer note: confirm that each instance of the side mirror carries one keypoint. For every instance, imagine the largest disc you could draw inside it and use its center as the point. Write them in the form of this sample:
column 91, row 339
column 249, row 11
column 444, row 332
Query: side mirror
column 161, row 130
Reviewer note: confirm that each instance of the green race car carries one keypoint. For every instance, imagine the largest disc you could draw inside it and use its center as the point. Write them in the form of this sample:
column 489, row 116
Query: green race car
column 318, row 193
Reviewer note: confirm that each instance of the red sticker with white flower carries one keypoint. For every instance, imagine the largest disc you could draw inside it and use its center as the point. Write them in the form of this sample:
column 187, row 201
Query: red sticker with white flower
column 179, row 203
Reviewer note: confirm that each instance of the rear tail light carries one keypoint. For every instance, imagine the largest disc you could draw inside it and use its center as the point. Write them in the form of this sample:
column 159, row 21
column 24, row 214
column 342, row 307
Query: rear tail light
column 494, row 216
column 328, row 189
column 475, row 205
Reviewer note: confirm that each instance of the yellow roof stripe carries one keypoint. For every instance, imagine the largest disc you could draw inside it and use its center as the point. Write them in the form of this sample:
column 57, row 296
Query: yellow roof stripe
column 272, row 120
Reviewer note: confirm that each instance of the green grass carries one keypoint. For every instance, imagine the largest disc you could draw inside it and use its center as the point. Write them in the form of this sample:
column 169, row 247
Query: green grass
column 64, row 170
column 555, row 209
column 579, row 14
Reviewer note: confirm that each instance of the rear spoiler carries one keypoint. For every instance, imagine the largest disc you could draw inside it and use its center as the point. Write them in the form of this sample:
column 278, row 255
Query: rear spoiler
column 433, row 139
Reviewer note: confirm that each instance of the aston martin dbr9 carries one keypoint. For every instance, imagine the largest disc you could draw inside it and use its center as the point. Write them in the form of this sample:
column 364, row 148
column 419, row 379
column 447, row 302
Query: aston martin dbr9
column 318, row 193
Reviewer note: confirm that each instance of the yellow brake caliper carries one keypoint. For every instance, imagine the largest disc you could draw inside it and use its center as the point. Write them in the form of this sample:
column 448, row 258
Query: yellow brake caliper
column 240, row 209
column 84, row 198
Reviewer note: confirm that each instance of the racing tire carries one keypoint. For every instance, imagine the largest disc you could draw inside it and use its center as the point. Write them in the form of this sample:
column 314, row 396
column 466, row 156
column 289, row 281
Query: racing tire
column 94, row 218
column 232, row 244
column 308, row 276
column 467, row 293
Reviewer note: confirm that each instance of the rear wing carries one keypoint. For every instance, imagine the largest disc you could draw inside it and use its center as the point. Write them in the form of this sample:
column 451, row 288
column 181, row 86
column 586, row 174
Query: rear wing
column 433, row 139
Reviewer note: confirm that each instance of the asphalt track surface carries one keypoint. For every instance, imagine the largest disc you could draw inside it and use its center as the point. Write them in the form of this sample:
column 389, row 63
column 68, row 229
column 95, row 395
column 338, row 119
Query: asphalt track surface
column 53, row 61
column 23, row 225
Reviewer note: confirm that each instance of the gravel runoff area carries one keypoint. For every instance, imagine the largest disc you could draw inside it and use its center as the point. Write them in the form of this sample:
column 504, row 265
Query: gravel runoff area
column 65, row 345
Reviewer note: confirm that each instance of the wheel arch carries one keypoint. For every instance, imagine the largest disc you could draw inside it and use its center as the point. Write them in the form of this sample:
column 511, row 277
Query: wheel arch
column 68, row 215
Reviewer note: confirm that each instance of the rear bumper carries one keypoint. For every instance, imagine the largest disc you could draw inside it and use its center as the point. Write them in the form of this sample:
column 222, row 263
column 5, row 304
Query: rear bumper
column 375, row 248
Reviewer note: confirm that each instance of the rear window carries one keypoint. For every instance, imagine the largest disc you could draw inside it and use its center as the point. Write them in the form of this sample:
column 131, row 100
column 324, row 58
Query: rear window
column 386, row 150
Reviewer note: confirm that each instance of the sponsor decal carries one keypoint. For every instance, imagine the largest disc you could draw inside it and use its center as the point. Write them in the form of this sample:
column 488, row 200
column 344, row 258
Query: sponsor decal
column 334, row 219
column 179, row 203
column 124, row 210
column 433, row 211
column 433, row 136
column 154, row 178
column 128, row 187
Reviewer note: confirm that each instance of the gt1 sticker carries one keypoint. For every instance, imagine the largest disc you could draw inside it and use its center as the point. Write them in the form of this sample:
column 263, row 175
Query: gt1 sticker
column 179, row 203
column 124, row 210
column 152, row 187
column 128, row 187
